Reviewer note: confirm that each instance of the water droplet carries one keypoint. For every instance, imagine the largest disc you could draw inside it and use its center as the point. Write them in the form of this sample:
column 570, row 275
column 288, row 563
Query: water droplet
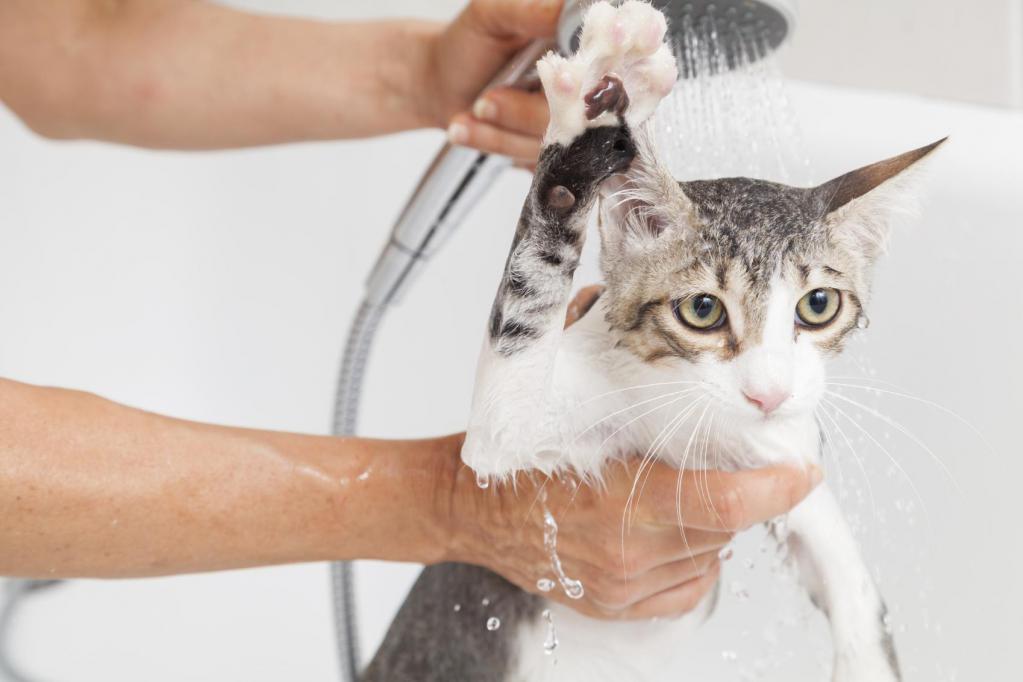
column 748, row 563
column 550, row 642
column 482, row 481
column 363, row 476
column 485, row 602
column 457, row 608
column 545, row 584
column 493, row 623
column 726, row 553
column 573, row 588
column 862, row 322
column 886, row 620
column 729, row 655
column 739, row 591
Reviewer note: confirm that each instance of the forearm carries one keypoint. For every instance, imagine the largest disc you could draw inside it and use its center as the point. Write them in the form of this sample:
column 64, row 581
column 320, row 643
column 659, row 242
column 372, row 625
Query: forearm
column 172, row 73
column 92, row 488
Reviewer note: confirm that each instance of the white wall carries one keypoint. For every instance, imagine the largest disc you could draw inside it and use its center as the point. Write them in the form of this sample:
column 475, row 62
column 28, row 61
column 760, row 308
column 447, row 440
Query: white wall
column 219, row 286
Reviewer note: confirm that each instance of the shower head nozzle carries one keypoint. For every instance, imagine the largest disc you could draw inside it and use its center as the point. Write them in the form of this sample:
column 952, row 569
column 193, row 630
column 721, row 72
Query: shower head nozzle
column 736, row 32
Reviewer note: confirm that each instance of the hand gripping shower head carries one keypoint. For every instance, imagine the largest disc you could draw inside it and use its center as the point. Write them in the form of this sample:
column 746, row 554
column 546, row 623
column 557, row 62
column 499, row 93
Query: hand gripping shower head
column 741, row 31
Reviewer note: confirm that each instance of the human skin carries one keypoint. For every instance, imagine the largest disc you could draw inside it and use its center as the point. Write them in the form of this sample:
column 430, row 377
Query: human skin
column 179, row 74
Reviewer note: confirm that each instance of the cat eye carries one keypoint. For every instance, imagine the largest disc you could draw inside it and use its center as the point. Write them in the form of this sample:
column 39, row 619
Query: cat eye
column 701, row 312
column 818, row 307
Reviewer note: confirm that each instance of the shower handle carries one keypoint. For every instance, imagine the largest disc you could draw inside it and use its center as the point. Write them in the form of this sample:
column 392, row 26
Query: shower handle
column 451, row 186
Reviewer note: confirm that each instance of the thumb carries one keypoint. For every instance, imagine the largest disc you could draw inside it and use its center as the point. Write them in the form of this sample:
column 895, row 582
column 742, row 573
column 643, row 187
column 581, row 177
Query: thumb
column 515, row 19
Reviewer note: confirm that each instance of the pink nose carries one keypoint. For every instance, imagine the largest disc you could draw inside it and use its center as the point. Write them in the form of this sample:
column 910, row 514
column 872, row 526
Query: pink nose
column 766, row 401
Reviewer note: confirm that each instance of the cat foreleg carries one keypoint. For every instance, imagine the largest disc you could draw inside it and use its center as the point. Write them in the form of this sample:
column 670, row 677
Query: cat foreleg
column 834, row 574
column 623, row 68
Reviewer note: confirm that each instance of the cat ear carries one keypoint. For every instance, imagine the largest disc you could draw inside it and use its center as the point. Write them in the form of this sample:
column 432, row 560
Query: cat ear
column 643, row 203
column 860, row 205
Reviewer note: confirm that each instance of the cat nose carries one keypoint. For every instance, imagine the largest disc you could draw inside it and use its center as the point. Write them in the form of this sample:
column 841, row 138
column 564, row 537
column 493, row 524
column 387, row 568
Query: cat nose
column 768, row 400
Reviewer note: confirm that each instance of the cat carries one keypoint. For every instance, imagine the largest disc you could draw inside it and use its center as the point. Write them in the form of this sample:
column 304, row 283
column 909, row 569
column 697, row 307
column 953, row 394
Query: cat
column 733, row 293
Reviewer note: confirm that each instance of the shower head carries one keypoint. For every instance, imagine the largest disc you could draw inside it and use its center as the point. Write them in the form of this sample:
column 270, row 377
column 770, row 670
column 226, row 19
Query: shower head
column 708, row 37
column 740, row 31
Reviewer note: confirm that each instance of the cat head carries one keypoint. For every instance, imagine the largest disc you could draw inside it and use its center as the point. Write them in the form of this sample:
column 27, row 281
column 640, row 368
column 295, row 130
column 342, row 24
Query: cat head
column 745, row 285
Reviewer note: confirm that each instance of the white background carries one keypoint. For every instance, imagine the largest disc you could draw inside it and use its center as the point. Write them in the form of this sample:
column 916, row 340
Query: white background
column 219, row 286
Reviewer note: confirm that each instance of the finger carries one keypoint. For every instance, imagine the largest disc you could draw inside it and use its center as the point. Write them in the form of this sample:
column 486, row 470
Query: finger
column 513, row 109
column 668, row 545
column 582, row 303
column 622, row 594
column 676, row 601
column 467, row 131
column 515, row 19
column 723, row 501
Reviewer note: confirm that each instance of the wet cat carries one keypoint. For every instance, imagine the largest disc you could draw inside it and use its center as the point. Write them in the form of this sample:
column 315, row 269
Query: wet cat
column 731, row 293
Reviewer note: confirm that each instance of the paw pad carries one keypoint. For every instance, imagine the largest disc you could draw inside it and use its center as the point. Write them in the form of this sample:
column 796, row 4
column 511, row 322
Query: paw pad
column 622, row 70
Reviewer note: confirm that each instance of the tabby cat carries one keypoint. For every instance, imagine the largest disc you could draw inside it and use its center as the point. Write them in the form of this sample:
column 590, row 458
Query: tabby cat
column 733, row 293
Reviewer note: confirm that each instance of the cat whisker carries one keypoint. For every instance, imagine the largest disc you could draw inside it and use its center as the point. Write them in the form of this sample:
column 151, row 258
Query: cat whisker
column 903, row 430
column 603, row 419
column 635, row 388
column 673, row 424
column 678, row 487
column 895, row 462
column 908, row 396
column 856, row 457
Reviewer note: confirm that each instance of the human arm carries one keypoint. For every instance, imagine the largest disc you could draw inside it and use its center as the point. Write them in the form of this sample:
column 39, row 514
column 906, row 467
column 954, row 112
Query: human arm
column 91, row 488
column 194, row 75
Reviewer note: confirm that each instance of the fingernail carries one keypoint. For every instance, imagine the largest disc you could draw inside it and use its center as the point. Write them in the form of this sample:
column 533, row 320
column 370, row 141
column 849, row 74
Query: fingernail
column 816, row 475
column 484, row 109
column 458, row 133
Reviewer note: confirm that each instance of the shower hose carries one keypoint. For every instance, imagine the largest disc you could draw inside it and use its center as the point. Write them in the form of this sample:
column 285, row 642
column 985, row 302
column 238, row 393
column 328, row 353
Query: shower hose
column 346, row 412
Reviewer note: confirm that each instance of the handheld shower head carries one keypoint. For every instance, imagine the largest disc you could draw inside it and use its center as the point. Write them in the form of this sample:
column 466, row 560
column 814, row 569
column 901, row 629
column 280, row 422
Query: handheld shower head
column 742, row 31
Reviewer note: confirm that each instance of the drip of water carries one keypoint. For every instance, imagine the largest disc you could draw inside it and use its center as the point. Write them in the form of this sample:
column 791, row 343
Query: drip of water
column 550, row 642
column 862, row 322
column 457, row 608
column 726, row 553
column 482, row 481
column 493, row 623
column 485, row 602
column 731, row 114
column 545, row 584
column 573, row 588
column 739, row 591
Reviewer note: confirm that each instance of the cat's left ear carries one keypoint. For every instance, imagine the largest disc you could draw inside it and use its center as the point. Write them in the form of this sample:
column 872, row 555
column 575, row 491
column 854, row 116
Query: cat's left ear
column 860, row 205
column 640, row 205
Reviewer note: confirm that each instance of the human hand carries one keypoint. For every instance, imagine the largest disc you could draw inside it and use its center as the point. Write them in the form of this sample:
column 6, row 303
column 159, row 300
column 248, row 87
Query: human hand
column 466, row 55
column 650, row 567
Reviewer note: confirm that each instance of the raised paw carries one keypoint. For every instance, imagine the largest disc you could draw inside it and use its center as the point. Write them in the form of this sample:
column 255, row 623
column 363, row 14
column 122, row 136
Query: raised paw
column 621, row 72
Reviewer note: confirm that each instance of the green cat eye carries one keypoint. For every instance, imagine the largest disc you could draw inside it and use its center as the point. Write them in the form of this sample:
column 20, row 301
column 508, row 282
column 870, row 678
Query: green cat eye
column 702, row 312
column 818, row 307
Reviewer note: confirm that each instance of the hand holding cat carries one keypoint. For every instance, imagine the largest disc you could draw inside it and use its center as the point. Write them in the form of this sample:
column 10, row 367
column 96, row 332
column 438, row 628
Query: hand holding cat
column 659, row 567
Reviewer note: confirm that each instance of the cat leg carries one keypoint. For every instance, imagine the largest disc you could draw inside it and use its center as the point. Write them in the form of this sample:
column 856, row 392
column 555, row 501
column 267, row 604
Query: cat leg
column 833, row 572
column 613, row 83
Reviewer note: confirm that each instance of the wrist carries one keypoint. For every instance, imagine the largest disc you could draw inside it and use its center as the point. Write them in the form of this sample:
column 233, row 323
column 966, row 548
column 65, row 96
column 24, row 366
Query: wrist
column 416, row 83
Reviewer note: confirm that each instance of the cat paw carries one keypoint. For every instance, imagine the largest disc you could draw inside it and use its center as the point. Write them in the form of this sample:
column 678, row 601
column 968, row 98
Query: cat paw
column 622, row 71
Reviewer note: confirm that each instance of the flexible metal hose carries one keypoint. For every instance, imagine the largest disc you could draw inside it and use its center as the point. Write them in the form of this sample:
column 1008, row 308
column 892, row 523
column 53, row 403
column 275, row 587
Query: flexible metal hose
column 346, row 414
column 15, row 592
